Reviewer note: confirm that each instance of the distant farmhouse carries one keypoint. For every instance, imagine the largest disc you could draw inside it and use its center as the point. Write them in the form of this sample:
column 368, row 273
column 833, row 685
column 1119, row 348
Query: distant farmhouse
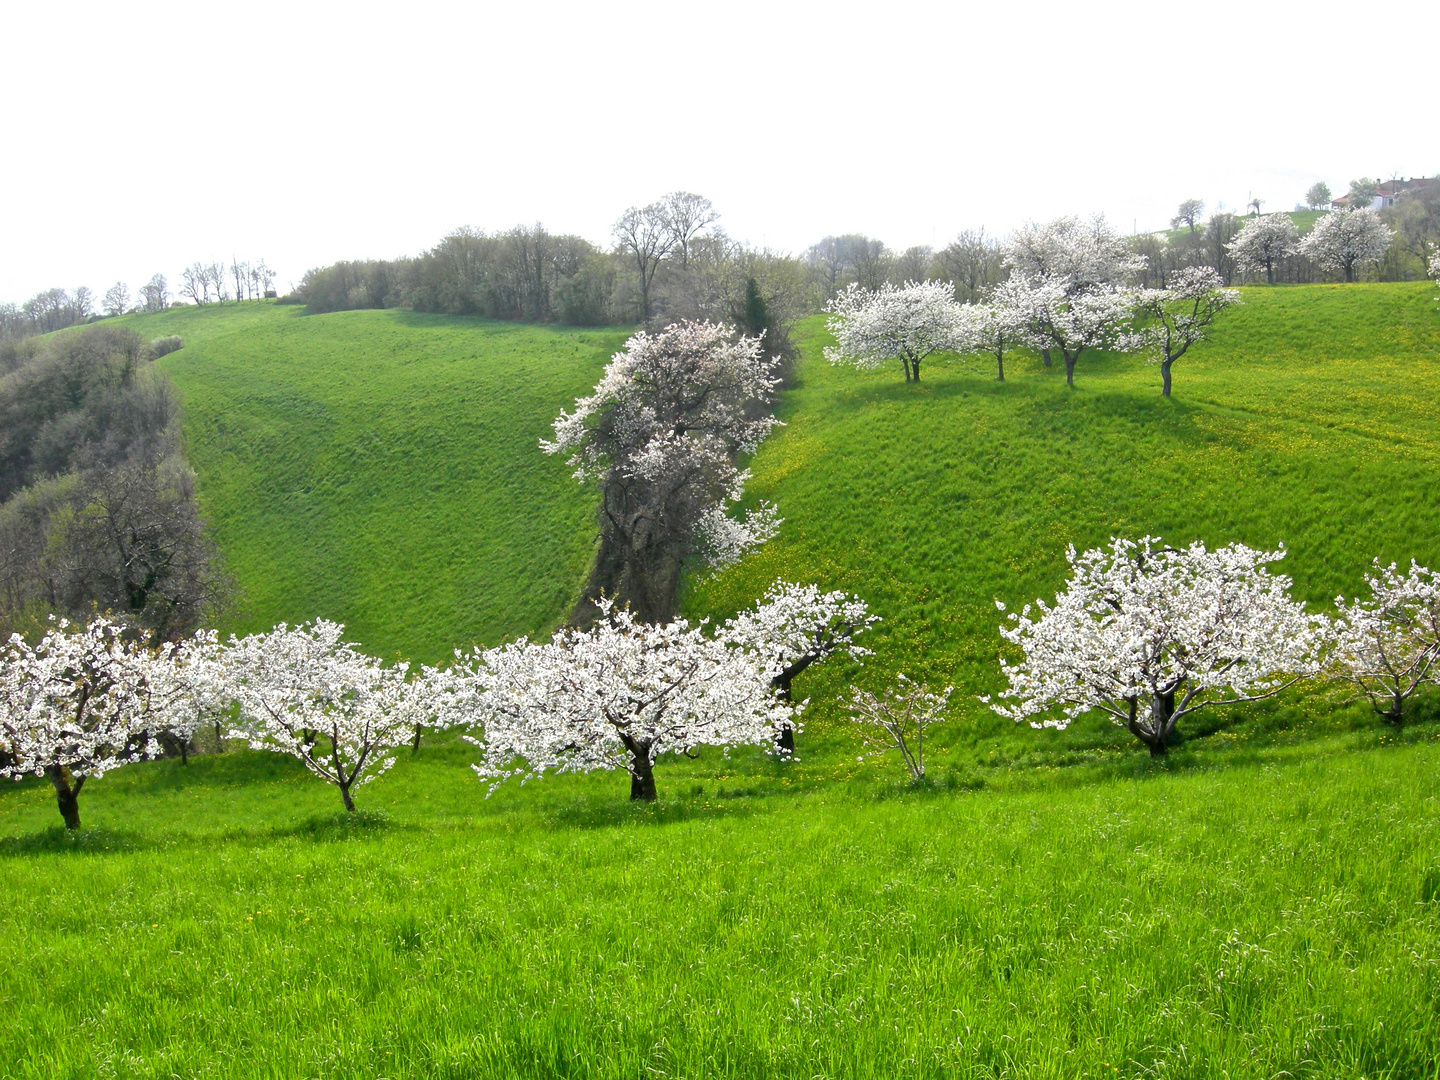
column 1388, row 192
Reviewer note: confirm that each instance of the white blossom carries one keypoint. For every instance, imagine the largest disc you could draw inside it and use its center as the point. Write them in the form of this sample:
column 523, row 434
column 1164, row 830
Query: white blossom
column 907, row 322
column 660, row 433
column 83, row 701
column 1149, row 633
column 1179, row 315
column 305, row 692
column 1389, row 644
column 615, row 696
column 794, row 626
column 1051, row 315
column 1263, row 242
column 900, row 716
column 1346, row 241
column 1080, row 256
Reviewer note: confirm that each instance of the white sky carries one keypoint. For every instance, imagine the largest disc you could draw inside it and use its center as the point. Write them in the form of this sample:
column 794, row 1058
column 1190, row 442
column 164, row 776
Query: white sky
column 139, row 138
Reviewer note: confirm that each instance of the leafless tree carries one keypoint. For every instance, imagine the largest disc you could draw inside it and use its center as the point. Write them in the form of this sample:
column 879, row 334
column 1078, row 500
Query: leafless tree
column 195, row 284
column 117, row 299
column 686, row 216
column 972, row 261
column 645, row 235
column 155, row 294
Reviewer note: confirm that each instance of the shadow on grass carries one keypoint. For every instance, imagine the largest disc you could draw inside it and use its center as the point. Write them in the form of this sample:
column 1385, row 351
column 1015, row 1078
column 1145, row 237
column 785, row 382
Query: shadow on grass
column 59, row 840
column 607, row 814
column 333, row 828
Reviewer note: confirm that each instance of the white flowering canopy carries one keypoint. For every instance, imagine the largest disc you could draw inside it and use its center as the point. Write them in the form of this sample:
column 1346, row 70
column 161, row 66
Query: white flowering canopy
column 1178, row 315
column 1079, row 256
column 1389, row 644
column 1346, row 241
column 86, row 699
column 1263, row 242
column 906, row 322
column 661, row 431
column 306, row 692
column 793, row 626
column 615, row 696
column 1149, row 633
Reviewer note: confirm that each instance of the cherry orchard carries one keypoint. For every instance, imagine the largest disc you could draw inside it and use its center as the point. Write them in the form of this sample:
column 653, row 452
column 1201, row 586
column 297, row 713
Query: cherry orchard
column 1149, row 633
column 615, row 696
column 305, row 692
column 1389, row 644
column 86, row 700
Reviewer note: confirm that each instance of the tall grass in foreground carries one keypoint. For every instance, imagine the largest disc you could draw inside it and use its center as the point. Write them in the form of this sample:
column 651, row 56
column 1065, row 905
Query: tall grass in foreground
column 1278, row 918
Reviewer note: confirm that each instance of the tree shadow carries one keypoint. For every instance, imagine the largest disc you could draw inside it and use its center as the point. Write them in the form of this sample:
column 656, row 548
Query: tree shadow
column 57, row 840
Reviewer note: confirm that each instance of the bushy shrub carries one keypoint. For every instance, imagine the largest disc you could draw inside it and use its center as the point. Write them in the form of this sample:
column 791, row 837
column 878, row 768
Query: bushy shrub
column 163, row 345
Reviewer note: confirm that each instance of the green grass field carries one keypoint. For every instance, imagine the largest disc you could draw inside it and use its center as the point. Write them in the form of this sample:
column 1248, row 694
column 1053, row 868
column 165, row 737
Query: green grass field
column 381, row 468
column 1265, row 902
column 1277, row 917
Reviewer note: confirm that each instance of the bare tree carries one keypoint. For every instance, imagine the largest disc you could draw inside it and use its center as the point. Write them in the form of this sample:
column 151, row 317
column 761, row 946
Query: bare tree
column 645, row 235
column 195, row 284
column 117, row 299
column 215, row 275
column 155, row 293
column 913, row 264
column 686, row 216
column 972, row 261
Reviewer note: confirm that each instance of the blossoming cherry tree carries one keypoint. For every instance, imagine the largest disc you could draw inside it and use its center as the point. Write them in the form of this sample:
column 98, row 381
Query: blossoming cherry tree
column 1149, row 633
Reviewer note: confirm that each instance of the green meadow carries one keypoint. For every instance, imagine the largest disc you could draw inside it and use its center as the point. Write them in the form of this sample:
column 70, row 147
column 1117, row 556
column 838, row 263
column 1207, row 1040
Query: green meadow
column 381, row 468
column 1265, row 902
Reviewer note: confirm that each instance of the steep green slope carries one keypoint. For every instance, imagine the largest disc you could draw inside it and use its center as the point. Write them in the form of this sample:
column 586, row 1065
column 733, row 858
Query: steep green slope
column 381, row 468
column 1310, row 420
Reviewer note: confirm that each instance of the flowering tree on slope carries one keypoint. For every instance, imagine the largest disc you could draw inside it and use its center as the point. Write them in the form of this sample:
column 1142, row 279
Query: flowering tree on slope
column 795, row 626
column 1180, row 314
column 84, row 701
column 1263, row 242
column 1346, row 241
column 1149, row 633
column 1053, row 318
column 1389, row 645
column 659, row 435
column 303, row 691
column 907, row 322
column 615, row 696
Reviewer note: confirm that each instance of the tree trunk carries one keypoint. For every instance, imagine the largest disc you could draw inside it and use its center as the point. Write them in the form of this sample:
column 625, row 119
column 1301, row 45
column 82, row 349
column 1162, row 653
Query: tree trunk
column 1395, row 714
column 345, row 795
column 1070, row 370
column 642, row 775
column 415, row 743
column 1165, row 376
column 916, row 365
column 66, row 797
column 1269, row 274
column 219, row 741
column 1045, row 357
column 1162, row 712
column 1000, row 366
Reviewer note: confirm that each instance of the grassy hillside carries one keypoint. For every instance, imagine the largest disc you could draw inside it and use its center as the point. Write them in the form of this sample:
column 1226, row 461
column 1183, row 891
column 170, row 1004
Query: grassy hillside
column 1264, row 902
column 1277, row 918
column 380, row 468
column 1308, row 420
